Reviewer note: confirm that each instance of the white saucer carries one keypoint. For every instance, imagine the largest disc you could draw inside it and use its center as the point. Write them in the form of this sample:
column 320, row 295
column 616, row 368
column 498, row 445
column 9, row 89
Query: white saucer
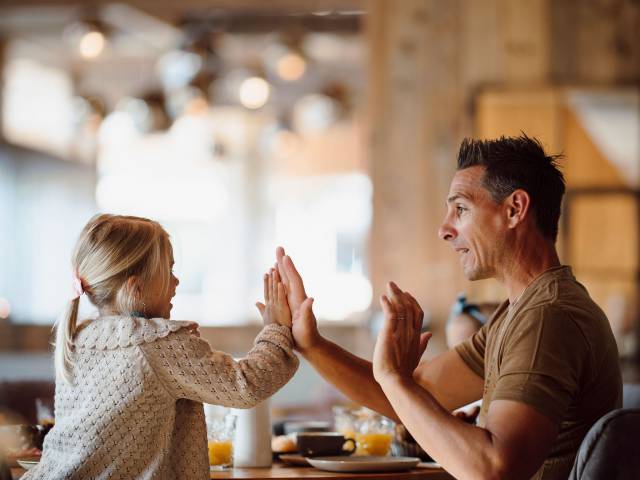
column 364, row 463
column 28, row 464
column 294, row 459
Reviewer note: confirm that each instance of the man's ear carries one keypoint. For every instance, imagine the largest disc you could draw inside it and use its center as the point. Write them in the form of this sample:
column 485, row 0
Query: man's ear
column 517, row 207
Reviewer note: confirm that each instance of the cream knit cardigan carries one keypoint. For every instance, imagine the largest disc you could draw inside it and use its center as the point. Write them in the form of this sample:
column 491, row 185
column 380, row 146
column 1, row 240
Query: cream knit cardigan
column 134, row 410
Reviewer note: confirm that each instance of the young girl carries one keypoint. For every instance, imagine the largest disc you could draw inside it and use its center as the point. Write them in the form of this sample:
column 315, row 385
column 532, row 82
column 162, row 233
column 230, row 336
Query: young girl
column 130, row 384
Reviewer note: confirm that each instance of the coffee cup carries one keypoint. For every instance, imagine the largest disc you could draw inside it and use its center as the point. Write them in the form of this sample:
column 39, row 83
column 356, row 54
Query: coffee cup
column 321, row 444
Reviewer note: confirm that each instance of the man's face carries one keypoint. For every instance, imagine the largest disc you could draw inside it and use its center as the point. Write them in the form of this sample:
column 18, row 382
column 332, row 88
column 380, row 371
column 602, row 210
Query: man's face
column 475, row 224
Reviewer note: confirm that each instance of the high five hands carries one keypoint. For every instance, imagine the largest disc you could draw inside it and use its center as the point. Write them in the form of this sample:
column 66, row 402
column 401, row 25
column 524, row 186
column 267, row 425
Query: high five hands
column 286, row 302
column 400, row 344
column 275, row 309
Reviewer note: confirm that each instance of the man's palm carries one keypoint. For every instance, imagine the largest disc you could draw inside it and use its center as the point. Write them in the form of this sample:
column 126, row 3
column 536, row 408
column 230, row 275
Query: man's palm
column 305, row 329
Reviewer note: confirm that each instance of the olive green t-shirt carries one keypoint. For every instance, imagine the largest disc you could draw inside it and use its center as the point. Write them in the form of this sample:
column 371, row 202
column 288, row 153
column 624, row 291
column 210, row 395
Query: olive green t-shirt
column 553, row 350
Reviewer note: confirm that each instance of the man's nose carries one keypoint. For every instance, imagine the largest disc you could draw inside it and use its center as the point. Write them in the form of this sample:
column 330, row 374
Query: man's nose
column 446, row 232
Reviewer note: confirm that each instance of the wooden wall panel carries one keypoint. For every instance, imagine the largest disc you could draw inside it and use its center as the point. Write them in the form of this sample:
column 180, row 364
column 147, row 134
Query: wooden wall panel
column 585, row 165
column 536, row 112
column 604, row 234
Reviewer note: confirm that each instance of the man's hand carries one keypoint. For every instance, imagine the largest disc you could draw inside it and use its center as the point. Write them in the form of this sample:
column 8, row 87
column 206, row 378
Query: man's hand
column 305, row 328
column 400, row 345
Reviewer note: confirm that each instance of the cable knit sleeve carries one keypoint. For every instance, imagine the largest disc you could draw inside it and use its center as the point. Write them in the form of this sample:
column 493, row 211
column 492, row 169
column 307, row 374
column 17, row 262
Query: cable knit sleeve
column 189, row 368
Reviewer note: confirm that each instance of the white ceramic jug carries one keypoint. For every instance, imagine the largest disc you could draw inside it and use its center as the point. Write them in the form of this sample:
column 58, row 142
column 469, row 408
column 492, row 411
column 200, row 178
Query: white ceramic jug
column 252, row 443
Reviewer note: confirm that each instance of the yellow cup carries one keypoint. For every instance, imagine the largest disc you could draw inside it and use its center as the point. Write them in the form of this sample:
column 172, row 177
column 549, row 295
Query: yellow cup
column 373, row 443
column 220, row 453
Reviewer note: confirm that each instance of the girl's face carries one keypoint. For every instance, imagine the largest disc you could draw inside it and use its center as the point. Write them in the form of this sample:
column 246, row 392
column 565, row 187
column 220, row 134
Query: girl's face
column 158, row 302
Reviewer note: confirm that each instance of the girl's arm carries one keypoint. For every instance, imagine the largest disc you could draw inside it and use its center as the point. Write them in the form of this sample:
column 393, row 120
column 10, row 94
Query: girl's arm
column 188, row 367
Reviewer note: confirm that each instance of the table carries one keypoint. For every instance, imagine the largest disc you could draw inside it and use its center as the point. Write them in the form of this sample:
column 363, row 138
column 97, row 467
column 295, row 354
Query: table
column 280, row 471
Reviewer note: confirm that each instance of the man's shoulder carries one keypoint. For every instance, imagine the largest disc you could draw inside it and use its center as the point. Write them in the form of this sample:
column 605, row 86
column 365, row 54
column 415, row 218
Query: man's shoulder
column 562, row 296
column 569, row 315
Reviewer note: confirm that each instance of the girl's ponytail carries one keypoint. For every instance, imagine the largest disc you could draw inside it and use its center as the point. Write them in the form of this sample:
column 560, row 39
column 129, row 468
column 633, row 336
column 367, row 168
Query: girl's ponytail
column 65, row 331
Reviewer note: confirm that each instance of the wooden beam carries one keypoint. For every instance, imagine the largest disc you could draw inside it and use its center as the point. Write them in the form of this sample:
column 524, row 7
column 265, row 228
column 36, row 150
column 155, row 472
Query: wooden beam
column 416, row 107
column 172, row 8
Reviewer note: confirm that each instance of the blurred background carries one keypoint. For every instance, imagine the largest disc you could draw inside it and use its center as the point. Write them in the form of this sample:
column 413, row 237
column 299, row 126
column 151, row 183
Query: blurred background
column 328, row 127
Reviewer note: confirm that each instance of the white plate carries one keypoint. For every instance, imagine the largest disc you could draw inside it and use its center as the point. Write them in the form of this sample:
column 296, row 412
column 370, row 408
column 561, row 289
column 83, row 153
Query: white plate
column 27, row 464
column 364, row 463
column 294, row 459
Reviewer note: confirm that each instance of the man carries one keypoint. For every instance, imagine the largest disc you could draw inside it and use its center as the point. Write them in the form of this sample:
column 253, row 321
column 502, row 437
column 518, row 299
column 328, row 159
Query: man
column 546, row 363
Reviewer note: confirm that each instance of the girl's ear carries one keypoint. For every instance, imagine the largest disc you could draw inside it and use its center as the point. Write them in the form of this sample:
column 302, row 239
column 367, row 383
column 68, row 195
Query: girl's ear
column 518, row 204
column 134, row 286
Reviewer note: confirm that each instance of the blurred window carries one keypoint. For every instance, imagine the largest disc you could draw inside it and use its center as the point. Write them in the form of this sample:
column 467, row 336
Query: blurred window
column 37, row 109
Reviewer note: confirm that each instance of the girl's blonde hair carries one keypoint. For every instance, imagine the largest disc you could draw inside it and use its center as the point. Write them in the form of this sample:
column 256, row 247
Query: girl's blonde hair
column 114, row 258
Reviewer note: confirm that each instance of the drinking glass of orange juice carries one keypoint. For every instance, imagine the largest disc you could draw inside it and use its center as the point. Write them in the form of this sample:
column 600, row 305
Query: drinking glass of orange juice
column 220, row 433
column 372, row 432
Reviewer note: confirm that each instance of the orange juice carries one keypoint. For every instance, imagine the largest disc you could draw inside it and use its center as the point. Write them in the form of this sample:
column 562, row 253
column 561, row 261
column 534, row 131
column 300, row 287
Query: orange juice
column 373, row 443
column 220, row 452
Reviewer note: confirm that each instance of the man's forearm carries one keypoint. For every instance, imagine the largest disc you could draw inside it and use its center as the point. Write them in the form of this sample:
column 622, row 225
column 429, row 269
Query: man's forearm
column 466, row 451
column 352, row 375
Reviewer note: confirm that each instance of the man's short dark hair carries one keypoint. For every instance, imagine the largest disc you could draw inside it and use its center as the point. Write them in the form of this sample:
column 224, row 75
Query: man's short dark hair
column 519, row 163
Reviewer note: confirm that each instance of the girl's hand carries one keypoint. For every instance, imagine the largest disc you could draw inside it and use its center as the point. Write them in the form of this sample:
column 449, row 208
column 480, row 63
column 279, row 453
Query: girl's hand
column 276, row 309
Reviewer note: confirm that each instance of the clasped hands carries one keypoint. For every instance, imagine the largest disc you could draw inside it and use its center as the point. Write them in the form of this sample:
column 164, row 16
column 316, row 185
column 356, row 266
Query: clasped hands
column 399, row 346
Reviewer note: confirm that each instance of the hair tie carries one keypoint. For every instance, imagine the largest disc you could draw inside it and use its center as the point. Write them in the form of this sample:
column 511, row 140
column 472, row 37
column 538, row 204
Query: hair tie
column 77, row 286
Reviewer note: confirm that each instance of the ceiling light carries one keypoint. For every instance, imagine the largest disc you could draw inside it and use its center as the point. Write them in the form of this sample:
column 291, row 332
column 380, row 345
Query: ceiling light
column 291, row 66
column 254, row 92
column 92, row 44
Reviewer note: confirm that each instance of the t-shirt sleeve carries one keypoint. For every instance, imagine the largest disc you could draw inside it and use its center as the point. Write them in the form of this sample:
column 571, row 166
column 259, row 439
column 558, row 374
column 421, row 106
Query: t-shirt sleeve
column 472, row 350
column 542, row 362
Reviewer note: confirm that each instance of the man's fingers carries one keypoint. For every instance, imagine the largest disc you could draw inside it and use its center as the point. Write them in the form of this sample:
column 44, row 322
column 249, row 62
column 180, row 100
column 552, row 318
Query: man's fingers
column 279, row 261
column 424, row 341
column 417, row 311
column 290, row 268
column 295, row 280
column 396, row 296
column 307, row 305
column 390, row 314
column 394, row 292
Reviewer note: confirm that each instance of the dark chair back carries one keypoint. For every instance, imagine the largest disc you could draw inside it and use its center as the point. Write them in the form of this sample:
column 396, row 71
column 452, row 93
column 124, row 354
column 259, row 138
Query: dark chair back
column 5, row 473
column 19, row 397
column 631, row 395
column 611, row 448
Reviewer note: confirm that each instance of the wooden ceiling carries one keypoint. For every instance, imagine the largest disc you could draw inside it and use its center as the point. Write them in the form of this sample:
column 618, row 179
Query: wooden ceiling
column 174, row 10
